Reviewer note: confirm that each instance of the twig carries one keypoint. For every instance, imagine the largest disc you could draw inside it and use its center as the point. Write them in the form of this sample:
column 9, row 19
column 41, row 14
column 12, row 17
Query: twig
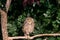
column 32, row 37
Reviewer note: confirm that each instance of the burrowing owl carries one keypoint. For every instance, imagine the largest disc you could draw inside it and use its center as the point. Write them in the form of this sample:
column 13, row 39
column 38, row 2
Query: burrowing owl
column 28, row 26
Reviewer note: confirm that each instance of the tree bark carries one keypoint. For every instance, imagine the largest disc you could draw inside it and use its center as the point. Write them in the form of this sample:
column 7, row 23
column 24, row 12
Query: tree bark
column 4, row 20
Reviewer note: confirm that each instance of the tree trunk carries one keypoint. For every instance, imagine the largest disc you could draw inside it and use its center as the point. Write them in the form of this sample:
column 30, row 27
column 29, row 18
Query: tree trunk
column 4, row 24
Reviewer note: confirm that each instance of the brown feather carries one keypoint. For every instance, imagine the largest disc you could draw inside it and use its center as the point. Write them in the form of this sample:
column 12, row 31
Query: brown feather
column 28, row 26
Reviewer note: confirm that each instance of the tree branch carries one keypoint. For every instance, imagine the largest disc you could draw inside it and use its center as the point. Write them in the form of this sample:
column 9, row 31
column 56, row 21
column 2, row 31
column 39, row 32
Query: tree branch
column 32, row 37
column 8, row 2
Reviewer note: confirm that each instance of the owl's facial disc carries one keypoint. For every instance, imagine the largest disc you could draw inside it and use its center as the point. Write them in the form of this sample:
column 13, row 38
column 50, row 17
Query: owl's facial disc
column 29, row 21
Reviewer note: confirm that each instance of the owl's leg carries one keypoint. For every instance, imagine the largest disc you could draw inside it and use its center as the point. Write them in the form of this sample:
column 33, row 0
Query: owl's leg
column 27, row 36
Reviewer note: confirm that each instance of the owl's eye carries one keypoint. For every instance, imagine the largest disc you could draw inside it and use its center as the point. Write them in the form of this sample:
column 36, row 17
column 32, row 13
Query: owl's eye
column 28, row 19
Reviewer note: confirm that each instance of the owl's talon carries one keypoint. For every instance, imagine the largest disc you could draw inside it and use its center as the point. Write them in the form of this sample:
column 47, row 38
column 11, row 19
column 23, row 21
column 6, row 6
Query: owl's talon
column 26, row 37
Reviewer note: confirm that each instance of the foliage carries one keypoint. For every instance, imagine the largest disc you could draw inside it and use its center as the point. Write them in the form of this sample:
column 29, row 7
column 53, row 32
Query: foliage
column 46, row 14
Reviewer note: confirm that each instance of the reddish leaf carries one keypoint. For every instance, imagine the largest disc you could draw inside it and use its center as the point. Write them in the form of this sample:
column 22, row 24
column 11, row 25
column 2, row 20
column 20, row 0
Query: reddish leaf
column 30, row 2
column 25, row 2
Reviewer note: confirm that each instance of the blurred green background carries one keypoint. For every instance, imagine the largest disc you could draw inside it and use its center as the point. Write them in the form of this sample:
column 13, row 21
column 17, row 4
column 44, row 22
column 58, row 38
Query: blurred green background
column 46, row 14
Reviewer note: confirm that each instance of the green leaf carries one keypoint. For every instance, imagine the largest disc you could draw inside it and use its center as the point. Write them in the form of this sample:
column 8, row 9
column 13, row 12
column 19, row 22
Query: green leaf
column 58, row 38
column 38, row 39
column 51, row 38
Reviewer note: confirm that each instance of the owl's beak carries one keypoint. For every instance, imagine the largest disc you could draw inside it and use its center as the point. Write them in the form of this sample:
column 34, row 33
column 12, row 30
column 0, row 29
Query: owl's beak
column 29, row 22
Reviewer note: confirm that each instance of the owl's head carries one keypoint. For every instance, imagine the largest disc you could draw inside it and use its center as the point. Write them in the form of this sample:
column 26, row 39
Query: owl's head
column 29, row 20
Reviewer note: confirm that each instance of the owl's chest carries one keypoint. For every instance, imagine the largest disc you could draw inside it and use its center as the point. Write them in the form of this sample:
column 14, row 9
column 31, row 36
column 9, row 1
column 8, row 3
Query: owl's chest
column 27, row 25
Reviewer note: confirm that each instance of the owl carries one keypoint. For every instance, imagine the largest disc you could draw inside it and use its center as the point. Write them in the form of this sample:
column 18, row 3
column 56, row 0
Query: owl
column 28, row 26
